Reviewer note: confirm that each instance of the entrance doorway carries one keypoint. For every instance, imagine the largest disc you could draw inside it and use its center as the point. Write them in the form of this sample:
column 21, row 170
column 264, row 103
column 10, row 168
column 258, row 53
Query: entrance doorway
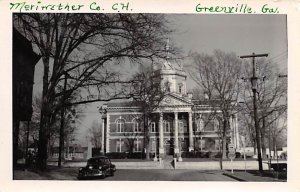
column 169, row 146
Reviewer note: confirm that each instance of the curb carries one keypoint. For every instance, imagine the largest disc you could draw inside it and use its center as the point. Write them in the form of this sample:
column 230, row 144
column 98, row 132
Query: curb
column 233, row 177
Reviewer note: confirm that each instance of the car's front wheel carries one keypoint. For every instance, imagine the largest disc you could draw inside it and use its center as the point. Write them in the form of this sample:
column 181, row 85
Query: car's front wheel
column 112, row 172
column 104, row 174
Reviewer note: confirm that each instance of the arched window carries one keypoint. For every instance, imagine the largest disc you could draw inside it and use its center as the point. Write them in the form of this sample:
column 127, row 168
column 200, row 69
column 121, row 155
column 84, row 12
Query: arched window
column 153, row 128
column 120, row 125
column 166, row 126
column 199, row 124
column 180, row 127
column 216, row 124
column 136, row 126
column 167, row 86
column 180, row 88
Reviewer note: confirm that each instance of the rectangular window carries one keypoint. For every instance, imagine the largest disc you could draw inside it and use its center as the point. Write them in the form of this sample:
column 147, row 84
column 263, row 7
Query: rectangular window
column 120, row 125
column 153, row 128
column 137, row 127
column 202, row 144
column 153, row 148
column 166, row 126
column 119, row 145
column 137, row 146
column 180, row 127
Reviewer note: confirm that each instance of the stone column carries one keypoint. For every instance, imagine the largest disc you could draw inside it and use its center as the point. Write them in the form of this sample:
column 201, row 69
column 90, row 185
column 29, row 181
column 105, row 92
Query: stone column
column 176, row 148
column 102, row 135
column 161, row 135
column 191, row 139
column 107, row 133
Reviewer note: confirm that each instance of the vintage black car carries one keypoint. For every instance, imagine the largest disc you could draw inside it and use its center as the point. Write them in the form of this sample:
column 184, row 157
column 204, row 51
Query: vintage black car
column 97, row 167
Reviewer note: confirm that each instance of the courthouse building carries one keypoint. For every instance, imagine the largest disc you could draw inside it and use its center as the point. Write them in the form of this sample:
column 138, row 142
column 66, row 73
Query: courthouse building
column 180, row 123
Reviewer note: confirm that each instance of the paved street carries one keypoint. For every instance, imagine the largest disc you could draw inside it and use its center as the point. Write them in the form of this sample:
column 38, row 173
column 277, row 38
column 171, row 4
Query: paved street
column 129, row 175
column 168, row 175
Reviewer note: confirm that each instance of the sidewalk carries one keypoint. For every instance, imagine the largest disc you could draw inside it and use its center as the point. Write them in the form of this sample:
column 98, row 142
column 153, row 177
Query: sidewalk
column 215, row 165
column 254, row 176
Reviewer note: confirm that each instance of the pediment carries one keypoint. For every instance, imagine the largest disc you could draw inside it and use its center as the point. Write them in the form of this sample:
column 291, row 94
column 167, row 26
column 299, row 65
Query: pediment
column 172, row 100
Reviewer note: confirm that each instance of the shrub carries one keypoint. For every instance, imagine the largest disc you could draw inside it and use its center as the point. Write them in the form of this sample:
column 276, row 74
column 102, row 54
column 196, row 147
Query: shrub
column 218, row 155
column 116, row 155
column 198, row 154
column 136, row 155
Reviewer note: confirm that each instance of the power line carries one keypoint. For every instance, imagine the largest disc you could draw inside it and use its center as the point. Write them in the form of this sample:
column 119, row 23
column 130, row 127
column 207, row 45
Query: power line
column 279, row 55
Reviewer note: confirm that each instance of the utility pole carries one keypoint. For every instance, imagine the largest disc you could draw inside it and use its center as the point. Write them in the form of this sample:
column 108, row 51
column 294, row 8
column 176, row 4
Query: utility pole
column 62, row 122
column 254, row 87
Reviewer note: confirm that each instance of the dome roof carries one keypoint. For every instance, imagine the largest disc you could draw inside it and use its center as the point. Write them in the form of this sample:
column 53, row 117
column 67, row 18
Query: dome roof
column 171, row 68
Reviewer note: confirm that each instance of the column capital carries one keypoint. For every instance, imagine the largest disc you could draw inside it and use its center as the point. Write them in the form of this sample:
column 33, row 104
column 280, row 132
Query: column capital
column 161, row 114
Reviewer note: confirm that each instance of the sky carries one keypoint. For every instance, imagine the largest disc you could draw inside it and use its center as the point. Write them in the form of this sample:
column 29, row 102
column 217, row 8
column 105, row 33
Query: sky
column 241, row 34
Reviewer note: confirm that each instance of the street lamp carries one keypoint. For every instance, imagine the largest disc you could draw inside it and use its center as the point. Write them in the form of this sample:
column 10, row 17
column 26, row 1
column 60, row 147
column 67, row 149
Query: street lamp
column 254, row 83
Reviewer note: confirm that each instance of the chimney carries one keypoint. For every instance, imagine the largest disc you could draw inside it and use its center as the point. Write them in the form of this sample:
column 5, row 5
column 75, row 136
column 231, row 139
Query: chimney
column 190, row 95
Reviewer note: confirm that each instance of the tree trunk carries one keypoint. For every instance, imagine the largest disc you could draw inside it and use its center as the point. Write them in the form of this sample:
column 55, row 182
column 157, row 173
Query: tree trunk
column 221, row 156
column 224, row 147
column 262, row 138
column 147, row 139
column 147, row 136
column 224, row 142
column 44, row 122
column 42, row 146
column 221, row 162
column 263, row 147
column 254, row 147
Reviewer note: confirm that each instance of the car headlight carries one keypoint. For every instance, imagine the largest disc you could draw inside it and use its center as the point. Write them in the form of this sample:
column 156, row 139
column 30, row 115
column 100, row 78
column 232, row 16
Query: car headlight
column 80, row 169
column 90, row 167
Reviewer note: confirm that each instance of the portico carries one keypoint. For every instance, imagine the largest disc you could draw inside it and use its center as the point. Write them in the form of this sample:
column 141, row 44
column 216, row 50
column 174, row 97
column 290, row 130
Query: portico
column 176, row 130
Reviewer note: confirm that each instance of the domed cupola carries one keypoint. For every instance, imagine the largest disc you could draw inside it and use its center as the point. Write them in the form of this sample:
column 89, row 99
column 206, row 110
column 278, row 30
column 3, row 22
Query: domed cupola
column 172, row 74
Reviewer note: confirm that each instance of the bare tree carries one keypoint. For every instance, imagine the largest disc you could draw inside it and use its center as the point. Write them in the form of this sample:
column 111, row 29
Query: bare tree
column 271, row 99
column 70, row 128
column 95, row 134
column 218, row 75
column 81, row 49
